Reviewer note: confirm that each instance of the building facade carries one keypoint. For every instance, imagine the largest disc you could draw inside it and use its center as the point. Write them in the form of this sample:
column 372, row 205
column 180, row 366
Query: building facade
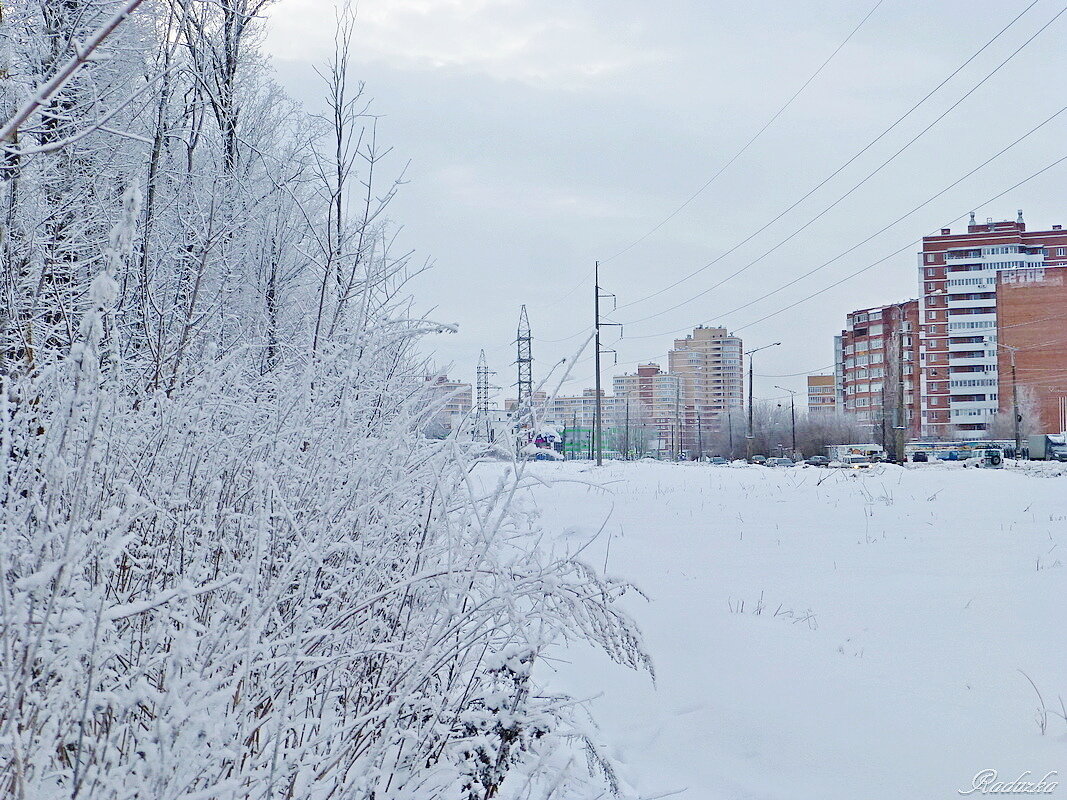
column 960, row 385
column 711, row 382
column 877, row 365
column 450, row 401
column 822, row 394
column 579, row 411
column 651, row 400
column 1031, row 307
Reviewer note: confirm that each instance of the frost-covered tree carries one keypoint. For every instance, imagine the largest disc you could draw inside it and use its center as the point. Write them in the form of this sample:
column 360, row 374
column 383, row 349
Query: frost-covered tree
column 231, row 565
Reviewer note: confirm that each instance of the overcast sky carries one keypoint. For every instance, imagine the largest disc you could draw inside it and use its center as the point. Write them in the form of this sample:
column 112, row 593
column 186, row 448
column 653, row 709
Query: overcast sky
column 545, row 135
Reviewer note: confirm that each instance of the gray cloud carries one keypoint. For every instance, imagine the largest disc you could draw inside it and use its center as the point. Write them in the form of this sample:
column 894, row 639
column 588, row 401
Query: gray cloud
column 545, row 135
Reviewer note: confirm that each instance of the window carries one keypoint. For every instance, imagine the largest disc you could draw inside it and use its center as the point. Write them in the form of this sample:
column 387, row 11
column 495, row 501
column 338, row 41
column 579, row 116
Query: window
column 930, row 258
column 931, row 315
column 1061, row 251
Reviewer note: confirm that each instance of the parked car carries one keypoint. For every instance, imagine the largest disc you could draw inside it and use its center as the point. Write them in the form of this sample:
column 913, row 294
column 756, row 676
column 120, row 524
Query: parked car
column 718, row 460
column 920, row 458
column 758, row 460
column 779, row 462
column 818, row 461
column 856, row 462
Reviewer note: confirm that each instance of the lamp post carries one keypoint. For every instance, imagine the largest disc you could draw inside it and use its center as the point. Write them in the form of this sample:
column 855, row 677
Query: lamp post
column 750, row 435
column 792, row 415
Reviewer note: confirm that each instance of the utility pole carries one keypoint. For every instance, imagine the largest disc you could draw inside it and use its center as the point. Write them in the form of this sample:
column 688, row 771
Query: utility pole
column 792, row 415
column 598, row 413
column 677, row 419
column 730, row 431
column 700, row 440
column 1016, row 418
column 750, row 435
column 626, row 436
column 901, row 417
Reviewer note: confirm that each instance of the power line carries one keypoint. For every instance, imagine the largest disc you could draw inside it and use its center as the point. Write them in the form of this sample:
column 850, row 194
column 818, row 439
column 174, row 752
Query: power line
column 725, row 166
column 897, row 252
column 751, row 141
column 836, row 172
column 795, row 374
column 902, row 249
column 892, row 224
column 855, row 187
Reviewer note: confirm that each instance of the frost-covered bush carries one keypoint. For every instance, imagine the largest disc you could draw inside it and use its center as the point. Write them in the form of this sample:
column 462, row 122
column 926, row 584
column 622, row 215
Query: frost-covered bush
column 272, row 586
column 231, row 564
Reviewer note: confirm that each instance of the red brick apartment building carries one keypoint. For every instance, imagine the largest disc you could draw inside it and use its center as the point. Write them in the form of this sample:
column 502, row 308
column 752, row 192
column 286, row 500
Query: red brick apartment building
column 822, row 394
column 1032, row 323
column 961, row 359
column 879, row 347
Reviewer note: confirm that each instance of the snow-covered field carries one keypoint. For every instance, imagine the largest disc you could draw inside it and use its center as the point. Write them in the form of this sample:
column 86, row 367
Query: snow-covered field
column 824, row 634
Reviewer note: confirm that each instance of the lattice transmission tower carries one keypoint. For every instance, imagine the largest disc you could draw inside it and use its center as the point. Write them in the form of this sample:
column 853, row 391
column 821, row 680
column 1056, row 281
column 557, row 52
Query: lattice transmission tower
column 483, row 375
column 524, row 359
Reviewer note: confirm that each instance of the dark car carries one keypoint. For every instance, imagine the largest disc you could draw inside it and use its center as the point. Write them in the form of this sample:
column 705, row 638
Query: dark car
column 758, row 460
column 719, row 460
column 818, row 461
column 920, row 458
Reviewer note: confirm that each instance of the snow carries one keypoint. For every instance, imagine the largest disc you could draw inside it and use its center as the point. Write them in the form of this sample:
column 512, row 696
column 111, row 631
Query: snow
column 899, row 607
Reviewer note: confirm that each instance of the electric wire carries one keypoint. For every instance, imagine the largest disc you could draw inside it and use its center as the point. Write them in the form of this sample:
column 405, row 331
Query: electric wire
column 854, row 188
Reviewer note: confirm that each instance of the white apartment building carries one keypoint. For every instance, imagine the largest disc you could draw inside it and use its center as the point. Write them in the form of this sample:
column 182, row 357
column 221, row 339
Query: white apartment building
column 958, row 319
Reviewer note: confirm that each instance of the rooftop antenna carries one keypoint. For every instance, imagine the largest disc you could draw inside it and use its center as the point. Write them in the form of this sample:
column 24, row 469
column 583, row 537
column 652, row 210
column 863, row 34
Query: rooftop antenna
column 524, row 358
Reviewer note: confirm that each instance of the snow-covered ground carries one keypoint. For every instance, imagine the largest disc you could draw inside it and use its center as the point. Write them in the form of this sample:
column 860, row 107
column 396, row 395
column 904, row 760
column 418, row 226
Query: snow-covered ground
column 825, row 634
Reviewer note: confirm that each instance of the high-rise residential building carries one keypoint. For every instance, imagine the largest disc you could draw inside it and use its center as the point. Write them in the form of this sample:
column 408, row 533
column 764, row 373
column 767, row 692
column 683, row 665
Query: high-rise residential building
column 839, row 373
column 1032, row 324
column 961, row 387
column 822, row 394
column 538, row 398
column 708, row 365
column 450, row 400
column 652, row 399
column 579, row 411
column 877, row 361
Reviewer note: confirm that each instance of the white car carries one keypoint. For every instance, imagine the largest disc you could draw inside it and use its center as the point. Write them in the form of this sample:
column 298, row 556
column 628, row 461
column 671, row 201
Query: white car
column 855, row 462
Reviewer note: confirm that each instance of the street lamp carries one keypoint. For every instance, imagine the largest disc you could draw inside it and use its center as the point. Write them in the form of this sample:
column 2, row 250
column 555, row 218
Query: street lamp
column 792, row 415
column 750, row 435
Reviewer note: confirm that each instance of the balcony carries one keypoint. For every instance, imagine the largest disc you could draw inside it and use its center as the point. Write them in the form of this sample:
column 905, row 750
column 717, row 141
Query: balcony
column 963, row 255
column 982, row 360
column 958, row 347
column 985, row 303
